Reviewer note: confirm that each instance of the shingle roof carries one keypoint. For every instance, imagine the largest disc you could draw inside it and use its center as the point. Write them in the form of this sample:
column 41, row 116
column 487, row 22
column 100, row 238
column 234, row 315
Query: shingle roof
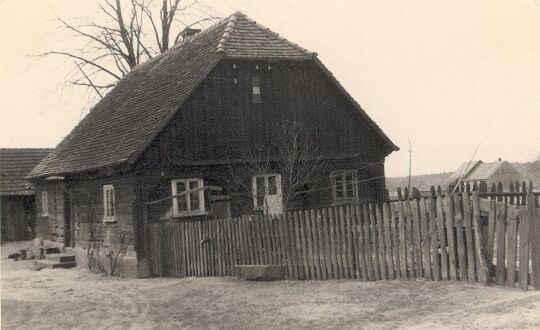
column 120, row 127
column 14, row 166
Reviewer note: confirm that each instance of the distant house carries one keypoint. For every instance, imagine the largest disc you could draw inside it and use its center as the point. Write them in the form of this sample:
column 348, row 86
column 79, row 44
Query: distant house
column 485, row 174
column 17, row 199
column 187, row 119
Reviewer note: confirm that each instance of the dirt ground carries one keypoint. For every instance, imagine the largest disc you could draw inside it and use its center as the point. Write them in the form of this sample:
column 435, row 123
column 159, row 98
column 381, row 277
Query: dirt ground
column 76, row 299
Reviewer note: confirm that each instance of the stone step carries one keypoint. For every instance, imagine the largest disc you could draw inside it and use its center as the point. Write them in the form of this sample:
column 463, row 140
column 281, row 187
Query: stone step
column 60, row 257
column 261, row 272
column 45, row 263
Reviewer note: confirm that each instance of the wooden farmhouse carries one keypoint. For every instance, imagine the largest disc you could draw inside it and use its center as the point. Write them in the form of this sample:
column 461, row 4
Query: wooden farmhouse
column 17, row 198
column 189, row 121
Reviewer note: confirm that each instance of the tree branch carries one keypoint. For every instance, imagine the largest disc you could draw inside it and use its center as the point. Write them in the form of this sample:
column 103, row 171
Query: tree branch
column 89, row 80
column 89, row 62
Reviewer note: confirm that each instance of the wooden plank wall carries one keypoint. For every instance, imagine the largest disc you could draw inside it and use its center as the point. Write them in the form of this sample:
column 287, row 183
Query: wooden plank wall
column 435, row 237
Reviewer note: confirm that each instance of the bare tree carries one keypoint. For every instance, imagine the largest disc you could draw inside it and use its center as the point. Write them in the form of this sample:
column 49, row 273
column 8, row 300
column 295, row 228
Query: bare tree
column 116, row 250
column 293, row 154
column 132, row 34
column 92, row 230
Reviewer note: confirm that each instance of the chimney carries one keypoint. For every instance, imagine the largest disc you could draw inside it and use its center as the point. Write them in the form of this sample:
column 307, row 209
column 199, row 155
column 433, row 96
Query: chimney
column 189, row 32
column 500, row 159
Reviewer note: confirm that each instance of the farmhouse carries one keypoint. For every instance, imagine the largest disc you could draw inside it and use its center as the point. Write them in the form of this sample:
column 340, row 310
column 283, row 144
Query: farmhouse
column 485, row 174
column 180, row 138
column 17, row 200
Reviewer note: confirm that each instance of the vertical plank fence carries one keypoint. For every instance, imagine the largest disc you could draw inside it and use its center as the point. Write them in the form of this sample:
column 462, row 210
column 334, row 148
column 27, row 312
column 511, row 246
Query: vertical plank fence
column 455, row 237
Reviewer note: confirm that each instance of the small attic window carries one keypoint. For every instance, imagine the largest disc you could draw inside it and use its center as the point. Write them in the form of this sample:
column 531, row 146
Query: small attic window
column 256, row 90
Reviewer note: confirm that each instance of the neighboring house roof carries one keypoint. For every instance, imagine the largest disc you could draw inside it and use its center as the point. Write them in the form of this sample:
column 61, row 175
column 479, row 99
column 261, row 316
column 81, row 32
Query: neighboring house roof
column 462, row 171
column 121, row 125
column 478, row 171
column 484, row 171
column 15, row 164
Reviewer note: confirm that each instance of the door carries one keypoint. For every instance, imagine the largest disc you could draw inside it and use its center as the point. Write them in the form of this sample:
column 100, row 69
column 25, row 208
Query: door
column 267, row 193
column 69, row 240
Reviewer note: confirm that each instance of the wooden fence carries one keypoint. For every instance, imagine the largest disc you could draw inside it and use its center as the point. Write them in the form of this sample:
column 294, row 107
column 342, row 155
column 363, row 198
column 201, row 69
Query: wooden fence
column 460, row 237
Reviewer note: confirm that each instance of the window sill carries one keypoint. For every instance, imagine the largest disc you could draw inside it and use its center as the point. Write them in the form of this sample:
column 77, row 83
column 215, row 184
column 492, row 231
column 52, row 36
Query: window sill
column 109, row 220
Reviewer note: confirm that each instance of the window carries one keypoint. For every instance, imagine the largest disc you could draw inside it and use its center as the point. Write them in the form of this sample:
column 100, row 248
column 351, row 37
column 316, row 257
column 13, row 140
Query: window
column 109, row 212
column 187, row 204
column 44, row 203
column 256, row 89
column 344, row 185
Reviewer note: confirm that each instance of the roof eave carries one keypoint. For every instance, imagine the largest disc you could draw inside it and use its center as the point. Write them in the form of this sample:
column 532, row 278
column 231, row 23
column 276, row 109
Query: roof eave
column 116, row 166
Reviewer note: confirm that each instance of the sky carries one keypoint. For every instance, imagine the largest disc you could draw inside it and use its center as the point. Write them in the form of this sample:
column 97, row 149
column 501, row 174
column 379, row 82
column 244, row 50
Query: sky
column 448, row 76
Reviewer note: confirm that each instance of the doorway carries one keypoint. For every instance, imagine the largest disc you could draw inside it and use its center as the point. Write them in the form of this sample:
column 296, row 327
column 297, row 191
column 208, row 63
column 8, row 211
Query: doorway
column 69, row 240
column 268, row 194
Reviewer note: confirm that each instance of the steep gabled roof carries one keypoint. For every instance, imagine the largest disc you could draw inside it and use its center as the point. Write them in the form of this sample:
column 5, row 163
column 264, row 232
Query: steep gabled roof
column 121, row 126
column 15, row 164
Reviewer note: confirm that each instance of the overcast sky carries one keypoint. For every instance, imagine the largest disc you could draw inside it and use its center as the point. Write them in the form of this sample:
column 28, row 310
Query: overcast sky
column 446, row 75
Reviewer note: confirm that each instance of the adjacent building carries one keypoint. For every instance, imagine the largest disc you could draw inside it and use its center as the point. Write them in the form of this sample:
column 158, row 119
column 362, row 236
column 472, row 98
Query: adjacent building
column 17, row 196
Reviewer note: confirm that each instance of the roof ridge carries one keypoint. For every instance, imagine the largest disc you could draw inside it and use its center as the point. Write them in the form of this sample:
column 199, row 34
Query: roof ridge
column 275, row 34
column 228, row 31
column 181, row 43
column 200, row 34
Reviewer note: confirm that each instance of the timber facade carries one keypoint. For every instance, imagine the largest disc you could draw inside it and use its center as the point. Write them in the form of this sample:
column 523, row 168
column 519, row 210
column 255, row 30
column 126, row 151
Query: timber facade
column 165, row 143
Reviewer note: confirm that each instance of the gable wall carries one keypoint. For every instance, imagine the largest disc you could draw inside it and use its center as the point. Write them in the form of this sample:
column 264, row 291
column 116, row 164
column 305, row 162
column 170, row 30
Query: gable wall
column 220, row 122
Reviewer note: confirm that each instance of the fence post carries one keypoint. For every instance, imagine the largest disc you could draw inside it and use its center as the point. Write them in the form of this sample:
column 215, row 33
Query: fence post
column 534, row 223
column 524, row 190
column 511, row 189
column 442, row 236
column 483, row 272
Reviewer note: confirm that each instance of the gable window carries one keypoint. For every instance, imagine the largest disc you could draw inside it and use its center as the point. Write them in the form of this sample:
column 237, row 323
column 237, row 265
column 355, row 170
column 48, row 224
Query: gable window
column 191, row 203
column 44, row 203
column 344, row 185
column 256, row 89
column 109, row 211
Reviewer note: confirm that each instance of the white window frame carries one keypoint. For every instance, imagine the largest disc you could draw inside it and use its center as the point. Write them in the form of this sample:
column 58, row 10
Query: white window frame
column 109, row 203
column 189, row 212
column 343, row 174
column 44, row 203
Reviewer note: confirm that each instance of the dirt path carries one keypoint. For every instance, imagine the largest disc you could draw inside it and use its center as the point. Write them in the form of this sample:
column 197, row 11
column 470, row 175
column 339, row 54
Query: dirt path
column 75, row 299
